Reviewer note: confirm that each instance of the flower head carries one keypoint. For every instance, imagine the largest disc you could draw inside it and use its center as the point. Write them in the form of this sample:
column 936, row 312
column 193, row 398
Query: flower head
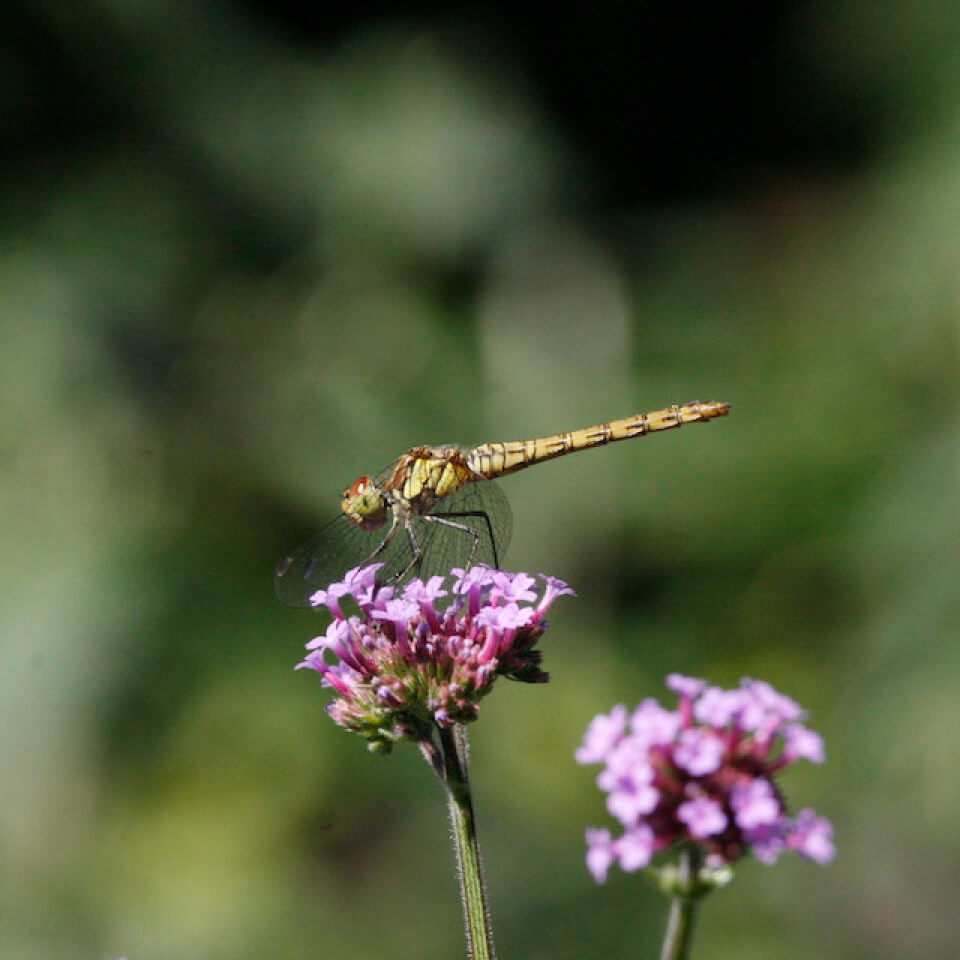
column 404, row 665
column 702, row 774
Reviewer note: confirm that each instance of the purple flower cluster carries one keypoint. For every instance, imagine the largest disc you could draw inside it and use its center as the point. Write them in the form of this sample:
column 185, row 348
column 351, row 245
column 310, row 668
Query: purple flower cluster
column 402, row 667
column 703, row 774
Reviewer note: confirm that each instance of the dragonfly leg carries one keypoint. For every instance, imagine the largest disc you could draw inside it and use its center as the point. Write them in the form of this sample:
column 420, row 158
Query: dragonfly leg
column 476, row 534
column 444, row 519
column 385, row 542
column 416, row 555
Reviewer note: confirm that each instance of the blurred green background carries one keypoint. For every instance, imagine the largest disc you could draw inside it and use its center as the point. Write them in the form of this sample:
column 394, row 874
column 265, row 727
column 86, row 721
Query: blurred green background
column 251, row 251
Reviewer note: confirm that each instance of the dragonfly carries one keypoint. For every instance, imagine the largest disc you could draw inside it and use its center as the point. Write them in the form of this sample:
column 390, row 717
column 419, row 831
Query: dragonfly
column 436, row 508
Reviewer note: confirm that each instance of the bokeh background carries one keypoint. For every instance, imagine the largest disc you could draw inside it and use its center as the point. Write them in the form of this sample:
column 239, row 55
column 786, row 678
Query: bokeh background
column 250, row 251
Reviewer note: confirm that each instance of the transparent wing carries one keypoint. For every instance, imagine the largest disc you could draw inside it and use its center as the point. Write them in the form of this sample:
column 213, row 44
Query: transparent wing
column 481, row 506
column 329, row 554
column 341, row 545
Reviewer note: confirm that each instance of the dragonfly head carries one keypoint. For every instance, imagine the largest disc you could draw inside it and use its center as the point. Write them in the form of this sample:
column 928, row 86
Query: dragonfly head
column 364, row 504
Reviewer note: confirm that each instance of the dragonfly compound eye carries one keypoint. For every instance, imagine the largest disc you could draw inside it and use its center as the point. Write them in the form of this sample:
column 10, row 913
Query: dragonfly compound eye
column 364, row 504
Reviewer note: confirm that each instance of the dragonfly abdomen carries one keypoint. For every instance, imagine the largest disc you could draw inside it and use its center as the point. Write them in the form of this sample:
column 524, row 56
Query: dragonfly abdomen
column 497, row 459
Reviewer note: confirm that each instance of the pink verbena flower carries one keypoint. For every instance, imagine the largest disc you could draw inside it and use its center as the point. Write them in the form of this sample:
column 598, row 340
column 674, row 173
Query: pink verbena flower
column 405, row 664
column 702, row 774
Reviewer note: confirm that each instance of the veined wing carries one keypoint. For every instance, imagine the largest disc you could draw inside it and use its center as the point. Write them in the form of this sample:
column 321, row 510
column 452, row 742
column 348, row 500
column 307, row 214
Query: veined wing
column 445, row 547
column 341, row 544
column 329, row 554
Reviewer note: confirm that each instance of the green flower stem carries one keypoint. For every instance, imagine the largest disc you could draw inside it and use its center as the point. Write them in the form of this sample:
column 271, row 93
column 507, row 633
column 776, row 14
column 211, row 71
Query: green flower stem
column 683, row 907
column 473, row 892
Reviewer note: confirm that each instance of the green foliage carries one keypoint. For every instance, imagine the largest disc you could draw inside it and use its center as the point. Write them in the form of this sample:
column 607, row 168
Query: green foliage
column 264, row 272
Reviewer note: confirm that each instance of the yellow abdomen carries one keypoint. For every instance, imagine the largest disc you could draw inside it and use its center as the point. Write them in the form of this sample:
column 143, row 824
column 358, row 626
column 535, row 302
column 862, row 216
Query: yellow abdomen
column 497, row 459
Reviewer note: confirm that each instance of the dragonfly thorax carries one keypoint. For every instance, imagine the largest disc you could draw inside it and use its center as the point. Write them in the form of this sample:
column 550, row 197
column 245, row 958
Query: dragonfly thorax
column 364, row 504
column 423, row 476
